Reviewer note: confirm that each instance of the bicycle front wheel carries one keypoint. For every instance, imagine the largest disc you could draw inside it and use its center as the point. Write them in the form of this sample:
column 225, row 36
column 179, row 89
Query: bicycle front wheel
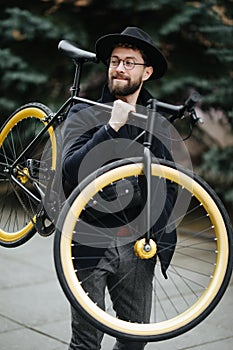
column 17, row 208
column 198, row 274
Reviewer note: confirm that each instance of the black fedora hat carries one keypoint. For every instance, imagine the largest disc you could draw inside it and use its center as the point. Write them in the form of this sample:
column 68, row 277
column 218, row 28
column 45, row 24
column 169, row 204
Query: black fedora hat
column 138, row 38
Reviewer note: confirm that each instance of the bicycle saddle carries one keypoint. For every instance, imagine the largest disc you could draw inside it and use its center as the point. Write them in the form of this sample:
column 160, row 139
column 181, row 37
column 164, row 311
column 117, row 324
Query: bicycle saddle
column 71, row 49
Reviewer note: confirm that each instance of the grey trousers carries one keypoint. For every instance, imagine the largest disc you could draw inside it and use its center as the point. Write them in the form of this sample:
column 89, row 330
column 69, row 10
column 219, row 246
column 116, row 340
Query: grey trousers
column 129, row 282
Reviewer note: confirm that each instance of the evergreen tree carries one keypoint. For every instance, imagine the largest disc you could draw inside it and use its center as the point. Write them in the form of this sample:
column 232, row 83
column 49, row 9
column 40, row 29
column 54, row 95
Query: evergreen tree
column 195, row 36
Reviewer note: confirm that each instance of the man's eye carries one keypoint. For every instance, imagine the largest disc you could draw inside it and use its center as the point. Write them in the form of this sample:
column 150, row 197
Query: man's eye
column 114, row 61
column 129, row 63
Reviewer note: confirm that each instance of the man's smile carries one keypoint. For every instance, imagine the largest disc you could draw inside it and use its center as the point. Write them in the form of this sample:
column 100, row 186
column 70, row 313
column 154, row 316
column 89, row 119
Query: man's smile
column 119, row 77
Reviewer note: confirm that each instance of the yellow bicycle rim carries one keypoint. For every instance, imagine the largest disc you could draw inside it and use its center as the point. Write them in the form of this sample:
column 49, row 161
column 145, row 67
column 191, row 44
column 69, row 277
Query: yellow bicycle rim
column 192, row 312
column 29, row 112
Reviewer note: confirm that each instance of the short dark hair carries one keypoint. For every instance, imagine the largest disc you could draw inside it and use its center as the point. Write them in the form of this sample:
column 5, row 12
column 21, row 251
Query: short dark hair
column 134, row 47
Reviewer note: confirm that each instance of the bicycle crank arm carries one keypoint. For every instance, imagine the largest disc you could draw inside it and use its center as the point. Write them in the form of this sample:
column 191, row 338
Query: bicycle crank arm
column 24, row 189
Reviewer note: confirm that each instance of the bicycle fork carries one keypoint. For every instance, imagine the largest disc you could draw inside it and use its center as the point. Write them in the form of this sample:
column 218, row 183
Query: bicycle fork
column 146, row 248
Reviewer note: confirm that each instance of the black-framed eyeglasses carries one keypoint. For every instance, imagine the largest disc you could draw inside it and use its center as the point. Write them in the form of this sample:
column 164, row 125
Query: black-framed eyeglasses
column 128, row 63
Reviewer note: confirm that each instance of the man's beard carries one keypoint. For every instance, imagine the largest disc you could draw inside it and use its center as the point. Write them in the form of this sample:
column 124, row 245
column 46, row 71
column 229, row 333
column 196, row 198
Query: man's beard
column 126, row 90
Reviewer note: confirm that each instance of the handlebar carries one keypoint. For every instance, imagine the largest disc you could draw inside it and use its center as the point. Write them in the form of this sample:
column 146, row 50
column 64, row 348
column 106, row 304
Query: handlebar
column 192, row 100
column 176, row 112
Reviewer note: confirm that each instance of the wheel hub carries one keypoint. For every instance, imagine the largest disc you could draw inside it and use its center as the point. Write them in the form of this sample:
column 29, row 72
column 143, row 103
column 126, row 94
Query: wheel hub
column 144, row 250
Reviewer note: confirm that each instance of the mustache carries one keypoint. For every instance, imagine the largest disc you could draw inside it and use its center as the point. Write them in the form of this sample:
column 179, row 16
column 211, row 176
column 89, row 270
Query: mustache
column 119, row 76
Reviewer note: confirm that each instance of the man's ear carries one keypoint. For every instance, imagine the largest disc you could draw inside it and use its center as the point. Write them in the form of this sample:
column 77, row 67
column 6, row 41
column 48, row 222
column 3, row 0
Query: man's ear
column 147, row 73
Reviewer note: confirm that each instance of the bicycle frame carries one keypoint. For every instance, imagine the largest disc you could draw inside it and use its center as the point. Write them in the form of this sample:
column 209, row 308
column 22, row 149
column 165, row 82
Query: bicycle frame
column 79, row 58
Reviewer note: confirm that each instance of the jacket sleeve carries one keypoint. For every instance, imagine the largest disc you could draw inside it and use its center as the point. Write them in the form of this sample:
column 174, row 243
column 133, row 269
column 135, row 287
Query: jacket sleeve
column 82, row 132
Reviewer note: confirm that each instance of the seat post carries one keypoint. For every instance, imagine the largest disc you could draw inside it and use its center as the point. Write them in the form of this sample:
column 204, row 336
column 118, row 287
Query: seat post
column 76, row 83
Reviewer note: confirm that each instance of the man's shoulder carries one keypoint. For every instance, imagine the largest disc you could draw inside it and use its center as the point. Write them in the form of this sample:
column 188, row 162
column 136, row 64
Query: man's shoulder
column 79, row 107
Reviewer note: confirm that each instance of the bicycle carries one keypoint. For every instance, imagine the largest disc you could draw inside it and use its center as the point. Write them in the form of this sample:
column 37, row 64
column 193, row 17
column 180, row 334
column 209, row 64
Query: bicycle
column 202, row 263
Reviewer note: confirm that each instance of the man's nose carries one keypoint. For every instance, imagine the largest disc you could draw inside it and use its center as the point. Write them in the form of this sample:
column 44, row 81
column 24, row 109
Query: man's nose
column 120, row 66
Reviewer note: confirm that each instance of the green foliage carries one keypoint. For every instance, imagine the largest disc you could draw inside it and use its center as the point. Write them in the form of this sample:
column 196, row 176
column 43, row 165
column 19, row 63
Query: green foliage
column 219, row 168
column 9, row 61
column 17, row 72
column 137, row 5
column 217, row 161
column 175, row 23
column 28, row 26
column 16, row 78
column 29, row 60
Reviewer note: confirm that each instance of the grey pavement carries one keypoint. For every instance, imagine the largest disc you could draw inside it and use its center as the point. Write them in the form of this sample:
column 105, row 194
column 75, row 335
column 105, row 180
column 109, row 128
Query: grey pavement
column 34, row 313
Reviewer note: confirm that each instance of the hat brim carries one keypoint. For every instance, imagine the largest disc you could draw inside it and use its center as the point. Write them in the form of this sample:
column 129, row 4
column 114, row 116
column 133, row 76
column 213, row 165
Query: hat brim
column 105, row 45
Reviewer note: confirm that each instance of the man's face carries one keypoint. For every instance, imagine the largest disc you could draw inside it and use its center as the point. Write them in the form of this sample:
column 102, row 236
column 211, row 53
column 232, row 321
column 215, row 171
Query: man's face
column 123, row 81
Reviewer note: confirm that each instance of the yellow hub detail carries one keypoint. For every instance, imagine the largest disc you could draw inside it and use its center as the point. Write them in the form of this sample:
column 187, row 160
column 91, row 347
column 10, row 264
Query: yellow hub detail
column 145, row 250
column 22, row 175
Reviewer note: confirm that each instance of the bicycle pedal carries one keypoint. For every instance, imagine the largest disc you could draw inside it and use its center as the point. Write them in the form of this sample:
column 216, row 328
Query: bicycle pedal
column 44, row 225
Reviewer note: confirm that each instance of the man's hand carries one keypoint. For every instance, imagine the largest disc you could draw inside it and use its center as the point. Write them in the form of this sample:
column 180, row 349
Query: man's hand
column 120, row 113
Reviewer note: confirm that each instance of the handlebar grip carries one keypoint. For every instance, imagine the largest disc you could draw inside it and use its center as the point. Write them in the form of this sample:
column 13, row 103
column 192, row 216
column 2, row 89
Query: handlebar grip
column 192, row 100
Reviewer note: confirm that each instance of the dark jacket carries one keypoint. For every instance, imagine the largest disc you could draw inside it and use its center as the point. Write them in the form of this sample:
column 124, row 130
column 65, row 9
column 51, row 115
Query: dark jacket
column 89, row 143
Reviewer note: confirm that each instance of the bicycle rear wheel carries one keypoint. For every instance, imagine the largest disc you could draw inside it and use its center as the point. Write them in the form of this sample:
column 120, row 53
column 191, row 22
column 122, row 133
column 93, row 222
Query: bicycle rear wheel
column 199, row 272
column 17, row 209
